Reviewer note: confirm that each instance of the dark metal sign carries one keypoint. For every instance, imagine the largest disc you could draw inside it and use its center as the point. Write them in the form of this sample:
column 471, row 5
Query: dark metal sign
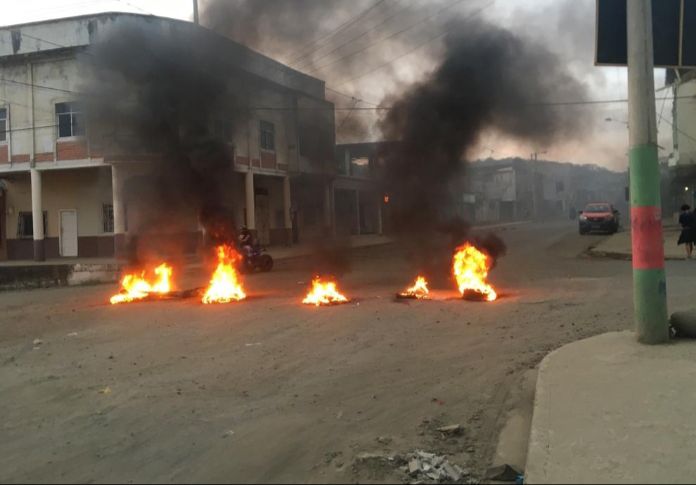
column 674, row 33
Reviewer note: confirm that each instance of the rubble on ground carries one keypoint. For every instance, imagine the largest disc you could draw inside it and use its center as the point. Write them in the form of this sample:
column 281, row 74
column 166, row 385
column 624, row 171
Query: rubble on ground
column 431, row 468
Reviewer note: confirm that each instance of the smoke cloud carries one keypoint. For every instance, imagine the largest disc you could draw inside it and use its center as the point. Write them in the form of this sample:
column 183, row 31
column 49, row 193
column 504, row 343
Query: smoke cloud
column 154, row 94
column 334, row 40
column 489, row 79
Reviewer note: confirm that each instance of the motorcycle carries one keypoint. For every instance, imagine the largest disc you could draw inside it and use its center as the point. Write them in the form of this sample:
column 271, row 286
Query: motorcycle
column 255, row 258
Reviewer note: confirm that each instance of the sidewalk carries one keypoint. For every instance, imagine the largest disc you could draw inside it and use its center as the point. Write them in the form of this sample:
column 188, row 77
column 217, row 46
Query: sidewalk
column 619, row 245
column 610, row 410
column 80, row 271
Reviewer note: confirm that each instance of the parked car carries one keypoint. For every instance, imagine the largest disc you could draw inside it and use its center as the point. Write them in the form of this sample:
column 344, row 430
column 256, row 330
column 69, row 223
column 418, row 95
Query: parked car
column 599, row 216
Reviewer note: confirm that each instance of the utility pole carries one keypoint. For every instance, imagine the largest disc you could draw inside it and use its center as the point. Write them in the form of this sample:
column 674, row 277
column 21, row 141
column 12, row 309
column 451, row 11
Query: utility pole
column 649, row 282
column 535, row 204
column 535, row 188
column 195, row 12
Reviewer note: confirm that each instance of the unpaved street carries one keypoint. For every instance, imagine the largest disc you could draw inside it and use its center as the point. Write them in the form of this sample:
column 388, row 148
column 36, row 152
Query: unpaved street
column 271, row 390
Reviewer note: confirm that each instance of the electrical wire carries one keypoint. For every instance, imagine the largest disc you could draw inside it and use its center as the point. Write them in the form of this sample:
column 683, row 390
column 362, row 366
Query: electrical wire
column 347, row 117
column 341, row 28
column 390, row 36
column 680, row 131
column 420, row 46
column 125, row 2
column 362, row 34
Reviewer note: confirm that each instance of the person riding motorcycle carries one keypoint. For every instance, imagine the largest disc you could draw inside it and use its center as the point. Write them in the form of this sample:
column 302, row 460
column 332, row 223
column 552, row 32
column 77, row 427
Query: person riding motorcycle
column 246, row 240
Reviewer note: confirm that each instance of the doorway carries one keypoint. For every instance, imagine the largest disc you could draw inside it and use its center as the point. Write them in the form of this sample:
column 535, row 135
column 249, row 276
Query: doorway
column 263, row 219
column 68, row 233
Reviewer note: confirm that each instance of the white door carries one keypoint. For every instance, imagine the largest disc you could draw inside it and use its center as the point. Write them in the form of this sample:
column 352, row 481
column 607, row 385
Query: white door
column 68, row 233
column 263, row 219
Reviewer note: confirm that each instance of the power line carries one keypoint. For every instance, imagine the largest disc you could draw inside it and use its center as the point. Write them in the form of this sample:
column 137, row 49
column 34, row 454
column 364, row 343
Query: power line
column 661, row 111
column 125, row 2
column 351, row 97
column 390, row 36
column 680, row 131
column 341, row 28
column 398, row 12
column 51, row 88
column 347, row 117
column 407, row 53
column 69, row 91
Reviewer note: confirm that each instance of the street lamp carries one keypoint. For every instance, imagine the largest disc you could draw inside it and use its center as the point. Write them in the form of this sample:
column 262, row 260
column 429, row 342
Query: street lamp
column 626, row 123
column 616, row 121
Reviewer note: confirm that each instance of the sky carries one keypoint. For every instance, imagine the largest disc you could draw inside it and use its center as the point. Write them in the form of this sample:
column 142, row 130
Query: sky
column 566, row 27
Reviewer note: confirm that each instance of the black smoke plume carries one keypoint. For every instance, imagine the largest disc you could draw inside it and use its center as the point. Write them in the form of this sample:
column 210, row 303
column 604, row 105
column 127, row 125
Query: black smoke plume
column 153, row 95
column 489, row 79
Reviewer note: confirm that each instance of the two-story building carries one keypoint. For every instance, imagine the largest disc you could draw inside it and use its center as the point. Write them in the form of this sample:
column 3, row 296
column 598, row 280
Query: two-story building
column 60, row 196
column 359, row 205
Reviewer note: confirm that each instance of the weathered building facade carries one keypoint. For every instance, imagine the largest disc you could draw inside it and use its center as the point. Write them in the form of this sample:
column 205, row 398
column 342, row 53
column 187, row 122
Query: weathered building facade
column 359, row 206
column 62, row 196
column 519, row 190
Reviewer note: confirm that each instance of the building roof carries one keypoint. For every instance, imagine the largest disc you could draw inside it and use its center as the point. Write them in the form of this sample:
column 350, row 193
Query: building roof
column 80, row 31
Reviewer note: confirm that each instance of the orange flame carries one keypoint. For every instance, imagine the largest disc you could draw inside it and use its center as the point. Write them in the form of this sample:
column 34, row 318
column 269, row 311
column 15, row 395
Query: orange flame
column 323, row 294
column 471, row 271
column 136, row 287
column 418, row 290
column 224, row 286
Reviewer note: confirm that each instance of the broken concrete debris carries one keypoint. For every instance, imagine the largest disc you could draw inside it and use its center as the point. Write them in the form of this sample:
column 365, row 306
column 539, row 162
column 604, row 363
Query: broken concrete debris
column 453, row 429
column 393, row 459
column 429, row 466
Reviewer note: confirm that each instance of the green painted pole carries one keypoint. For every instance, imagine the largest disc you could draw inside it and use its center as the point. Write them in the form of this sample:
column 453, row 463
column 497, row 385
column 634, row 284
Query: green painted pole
column 649, row 282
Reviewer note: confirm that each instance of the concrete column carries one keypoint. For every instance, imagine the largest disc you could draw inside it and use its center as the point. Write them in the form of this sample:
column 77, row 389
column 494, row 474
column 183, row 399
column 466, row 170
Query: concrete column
column 250, row 200
column 357, row 212
column 380, row 227
column 287, row 202
column 119, row 207
column 37, row 216
column 329, row 215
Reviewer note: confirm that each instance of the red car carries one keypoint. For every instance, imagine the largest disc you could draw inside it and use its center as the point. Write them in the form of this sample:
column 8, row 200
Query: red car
column 599, row 216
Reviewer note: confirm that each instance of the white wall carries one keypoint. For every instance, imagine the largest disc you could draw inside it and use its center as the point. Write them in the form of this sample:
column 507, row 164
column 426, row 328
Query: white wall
column 61, row 74
column 686, row 123
column 84, row 189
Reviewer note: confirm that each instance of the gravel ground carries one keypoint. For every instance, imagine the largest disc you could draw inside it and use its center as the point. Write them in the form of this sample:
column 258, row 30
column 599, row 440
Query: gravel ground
column 269, row 390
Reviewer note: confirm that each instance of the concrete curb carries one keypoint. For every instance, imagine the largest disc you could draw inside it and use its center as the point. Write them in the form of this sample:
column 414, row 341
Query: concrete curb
column 56, row 275
column 597, row 253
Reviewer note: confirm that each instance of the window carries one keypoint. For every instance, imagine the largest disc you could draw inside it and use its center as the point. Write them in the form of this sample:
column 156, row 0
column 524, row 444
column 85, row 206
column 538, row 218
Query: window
column 3, row 124
column 108, row 217
column 70, row 121
column 360, row 167
column 25, row 225
column 267, row 135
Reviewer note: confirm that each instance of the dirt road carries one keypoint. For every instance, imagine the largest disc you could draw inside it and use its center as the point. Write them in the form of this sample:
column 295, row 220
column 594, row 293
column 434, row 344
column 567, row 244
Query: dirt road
column 271, row 390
